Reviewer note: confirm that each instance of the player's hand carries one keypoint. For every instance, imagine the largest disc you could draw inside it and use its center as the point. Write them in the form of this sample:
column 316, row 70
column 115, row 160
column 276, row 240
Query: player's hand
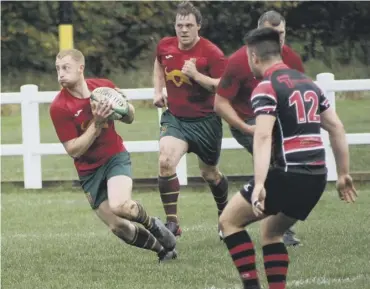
column 346, row 189
column 101, row 111
column 258, row 200
column 189, row 68
column 160, row 100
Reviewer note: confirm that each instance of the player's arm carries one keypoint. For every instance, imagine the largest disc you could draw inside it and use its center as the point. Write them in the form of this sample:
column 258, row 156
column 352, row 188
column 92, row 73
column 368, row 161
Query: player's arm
column 78, row 146
column 224, row 109
column 207, row 82
column 228, row 87
column 264, row 106
column 130, row 116
column 337, row 136
column 158, row 77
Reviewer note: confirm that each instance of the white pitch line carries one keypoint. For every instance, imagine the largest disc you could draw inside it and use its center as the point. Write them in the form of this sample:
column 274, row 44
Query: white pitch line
column 310, row 281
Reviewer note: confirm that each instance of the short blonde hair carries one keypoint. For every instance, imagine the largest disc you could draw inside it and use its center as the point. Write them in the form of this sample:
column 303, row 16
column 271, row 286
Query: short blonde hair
column 74, row 53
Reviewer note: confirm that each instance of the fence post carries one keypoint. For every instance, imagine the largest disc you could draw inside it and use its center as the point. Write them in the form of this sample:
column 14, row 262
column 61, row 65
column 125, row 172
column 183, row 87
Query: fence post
column 181, row 170
column 31, row 137
column 324, row 80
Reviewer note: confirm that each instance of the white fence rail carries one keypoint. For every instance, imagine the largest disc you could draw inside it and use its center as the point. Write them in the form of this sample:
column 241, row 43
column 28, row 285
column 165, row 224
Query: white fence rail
column 31, row 149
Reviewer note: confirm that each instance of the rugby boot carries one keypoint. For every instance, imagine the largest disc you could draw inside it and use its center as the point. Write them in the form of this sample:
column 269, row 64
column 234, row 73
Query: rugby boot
column 164, row 256
column 174, row 228
column 163, row 235
column 290, row 239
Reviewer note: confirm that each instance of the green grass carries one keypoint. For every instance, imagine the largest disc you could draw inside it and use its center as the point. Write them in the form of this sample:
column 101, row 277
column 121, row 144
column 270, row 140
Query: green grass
column 354, row 113
column 51, row 239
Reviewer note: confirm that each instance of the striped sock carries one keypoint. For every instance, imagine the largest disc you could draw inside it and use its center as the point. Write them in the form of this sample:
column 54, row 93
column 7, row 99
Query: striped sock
column 144, row 239
column 220, row 193
column 143, row 218
column 276, row 265
column 169, row 188
column 242, row 252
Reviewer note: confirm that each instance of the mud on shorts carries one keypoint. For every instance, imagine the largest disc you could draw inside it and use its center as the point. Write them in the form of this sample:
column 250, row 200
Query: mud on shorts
column 203, row 135
column 95, row 184
column 294, row 194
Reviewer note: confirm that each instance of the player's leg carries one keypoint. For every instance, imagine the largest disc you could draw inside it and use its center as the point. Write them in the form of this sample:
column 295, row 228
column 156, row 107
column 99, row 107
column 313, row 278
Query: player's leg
column 119, row 186
column 206, row 138
column 130, row 233
column 246, row 141
column 275, row 254
column 172, row 146
column 237, row 214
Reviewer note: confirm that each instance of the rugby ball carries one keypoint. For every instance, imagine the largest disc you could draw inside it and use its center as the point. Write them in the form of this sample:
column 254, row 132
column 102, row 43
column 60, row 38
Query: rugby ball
column 119, row 101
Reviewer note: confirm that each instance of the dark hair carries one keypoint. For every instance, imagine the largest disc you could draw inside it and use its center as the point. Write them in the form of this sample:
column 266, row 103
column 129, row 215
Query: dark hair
column 185, row 8
column 272, row 17
column 265, row 42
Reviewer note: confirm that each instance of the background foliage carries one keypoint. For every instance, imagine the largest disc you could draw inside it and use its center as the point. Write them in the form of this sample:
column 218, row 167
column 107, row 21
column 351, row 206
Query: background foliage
column 119, row 36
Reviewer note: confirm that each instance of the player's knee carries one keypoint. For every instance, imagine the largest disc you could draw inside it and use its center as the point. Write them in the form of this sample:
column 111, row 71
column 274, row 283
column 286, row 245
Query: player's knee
column 167, row 167
column 126, row 209
column 224, row 222
column 211, row 175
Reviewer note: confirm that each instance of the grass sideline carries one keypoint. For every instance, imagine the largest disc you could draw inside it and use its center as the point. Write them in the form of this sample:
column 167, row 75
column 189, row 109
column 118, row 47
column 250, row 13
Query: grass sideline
column 51, row 239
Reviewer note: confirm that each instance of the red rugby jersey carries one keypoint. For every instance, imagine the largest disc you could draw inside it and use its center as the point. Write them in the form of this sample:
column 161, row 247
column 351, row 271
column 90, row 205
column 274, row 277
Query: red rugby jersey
column 71, row 116
column 238, row 81
column 187, row 98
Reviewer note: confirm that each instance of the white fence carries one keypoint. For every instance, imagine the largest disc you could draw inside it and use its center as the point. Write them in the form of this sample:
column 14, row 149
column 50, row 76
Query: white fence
column 31, row 149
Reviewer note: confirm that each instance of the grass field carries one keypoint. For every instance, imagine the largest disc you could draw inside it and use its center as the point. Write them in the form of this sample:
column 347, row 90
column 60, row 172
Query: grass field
column 51, row 239
column 354, row 113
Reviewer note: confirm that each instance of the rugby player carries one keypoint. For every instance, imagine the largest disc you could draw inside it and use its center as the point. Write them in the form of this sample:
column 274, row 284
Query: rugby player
column 290, row 110
column 189, row 66
column 235, row 88
column 101, row 159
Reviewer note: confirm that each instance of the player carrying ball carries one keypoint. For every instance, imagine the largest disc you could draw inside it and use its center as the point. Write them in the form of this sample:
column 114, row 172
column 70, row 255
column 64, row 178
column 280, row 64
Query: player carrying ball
column 101, row 160
column 189, row 66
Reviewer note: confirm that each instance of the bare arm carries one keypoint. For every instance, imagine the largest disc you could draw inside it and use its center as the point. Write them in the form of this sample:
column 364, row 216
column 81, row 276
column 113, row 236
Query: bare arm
column 207, row 82
column 224, row 109
column 130, row 116
column 332, row 124
column 78, row 146
column 158, row 78
column 262, row 140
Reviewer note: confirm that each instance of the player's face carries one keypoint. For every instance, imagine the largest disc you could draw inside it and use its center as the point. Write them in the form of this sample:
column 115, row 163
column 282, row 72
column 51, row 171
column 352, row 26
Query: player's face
column 186, row 29
column 254, row 63
column 69, row 71
column 280, row 28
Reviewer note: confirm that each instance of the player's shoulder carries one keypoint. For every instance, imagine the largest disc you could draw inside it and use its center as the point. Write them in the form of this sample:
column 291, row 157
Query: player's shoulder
column 239, row 56
column 290, row 52
column 59, row 102
column 99, row 82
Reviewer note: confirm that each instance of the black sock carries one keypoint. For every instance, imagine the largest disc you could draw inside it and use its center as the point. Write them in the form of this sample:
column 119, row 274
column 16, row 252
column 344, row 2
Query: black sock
column 220, row 193
column 276, row 265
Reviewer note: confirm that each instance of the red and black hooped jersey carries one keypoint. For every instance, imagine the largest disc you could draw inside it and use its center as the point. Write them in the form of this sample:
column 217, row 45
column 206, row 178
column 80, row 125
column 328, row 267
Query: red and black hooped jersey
column 296, row 102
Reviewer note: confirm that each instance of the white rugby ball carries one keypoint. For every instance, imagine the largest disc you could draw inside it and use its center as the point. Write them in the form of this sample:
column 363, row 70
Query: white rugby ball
column 119, row 102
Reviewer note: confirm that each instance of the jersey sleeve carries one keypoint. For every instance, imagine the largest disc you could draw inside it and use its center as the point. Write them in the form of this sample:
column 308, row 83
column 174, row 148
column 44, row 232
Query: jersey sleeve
column 264, row 99
column 63, row 124
column 217, row 63
column 324, row 102
column 229, row 83
column 159, row 48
